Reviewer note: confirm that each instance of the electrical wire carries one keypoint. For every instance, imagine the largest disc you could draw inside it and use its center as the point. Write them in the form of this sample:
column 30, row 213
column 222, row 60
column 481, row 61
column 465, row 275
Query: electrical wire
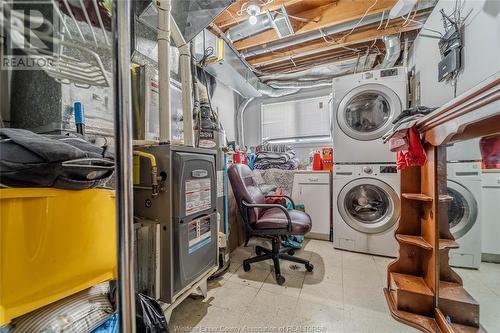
column 410, row 20
column 206, row 54
column 334, row 42
column 387, row 23
column 381, row 20
column 359, row 22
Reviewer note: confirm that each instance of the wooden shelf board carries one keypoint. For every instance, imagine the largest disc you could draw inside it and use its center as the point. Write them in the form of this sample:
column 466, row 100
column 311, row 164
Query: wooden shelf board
column 455, row 292
column 417, row 196
column 445, row 198
column 447, row 244
column 425, row 197
column 411, row 283
column 414, row 240
column 422, row 323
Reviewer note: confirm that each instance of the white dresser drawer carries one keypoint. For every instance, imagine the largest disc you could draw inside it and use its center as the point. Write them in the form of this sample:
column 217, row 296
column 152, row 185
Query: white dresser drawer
column 312, row 177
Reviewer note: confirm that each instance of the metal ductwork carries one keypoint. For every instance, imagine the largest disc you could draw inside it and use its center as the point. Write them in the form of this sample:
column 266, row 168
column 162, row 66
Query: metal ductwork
column 191, row 16
column 235, row 72
column 278, row 20
column 325, row 71
column 338, row 28
column 299, row 84
column 245, row 29
column 392, row 51
column 270, row 91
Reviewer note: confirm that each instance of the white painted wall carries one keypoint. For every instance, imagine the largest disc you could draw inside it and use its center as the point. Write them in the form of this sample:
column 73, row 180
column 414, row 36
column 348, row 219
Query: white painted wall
column 252, row 135
column 225, row 101
column 480, row 54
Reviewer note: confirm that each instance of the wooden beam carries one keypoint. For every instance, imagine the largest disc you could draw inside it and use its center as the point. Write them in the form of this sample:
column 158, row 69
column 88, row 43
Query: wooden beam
column 230, row 16
column 320, row 45
column 287, row 65
column 322, row 17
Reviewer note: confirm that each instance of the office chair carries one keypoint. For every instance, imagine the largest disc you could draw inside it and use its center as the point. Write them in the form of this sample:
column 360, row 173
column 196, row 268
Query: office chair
column 271, row 221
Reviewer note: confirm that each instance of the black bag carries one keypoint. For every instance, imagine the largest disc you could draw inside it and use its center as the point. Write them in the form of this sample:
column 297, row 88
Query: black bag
column 63, row 161
column 149, row 315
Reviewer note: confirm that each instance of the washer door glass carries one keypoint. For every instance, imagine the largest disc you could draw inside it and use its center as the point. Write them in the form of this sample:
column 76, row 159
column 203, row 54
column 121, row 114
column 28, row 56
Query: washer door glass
column 366, row 112
column 369, row 205
column 462, row 210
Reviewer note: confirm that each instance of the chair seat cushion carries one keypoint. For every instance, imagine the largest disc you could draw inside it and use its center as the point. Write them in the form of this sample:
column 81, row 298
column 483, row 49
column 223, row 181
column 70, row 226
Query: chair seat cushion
column 274, row 218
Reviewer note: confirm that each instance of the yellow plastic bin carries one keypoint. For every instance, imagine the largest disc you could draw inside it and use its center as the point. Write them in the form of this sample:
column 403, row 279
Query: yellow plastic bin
column 53, row 243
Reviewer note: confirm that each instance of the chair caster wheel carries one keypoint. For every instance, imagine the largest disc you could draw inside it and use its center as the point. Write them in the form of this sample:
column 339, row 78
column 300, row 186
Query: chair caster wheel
column 291, row 252
column 258, row 251
column 280, row 279
column 246, row 267
column 309, row 267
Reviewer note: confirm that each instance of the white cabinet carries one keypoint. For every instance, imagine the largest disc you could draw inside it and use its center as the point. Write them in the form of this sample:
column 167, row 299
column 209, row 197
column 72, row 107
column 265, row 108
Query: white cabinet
column 490, row 215
column 312, row 189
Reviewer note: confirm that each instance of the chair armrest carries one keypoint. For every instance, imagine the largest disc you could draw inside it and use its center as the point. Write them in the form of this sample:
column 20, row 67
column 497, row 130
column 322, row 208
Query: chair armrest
column 284, row 196
column 267, row 206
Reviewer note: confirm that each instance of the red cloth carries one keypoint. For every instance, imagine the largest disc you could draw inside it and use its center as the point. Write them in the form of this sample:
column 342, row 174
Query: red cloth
column 490, row 152
column 415, row 155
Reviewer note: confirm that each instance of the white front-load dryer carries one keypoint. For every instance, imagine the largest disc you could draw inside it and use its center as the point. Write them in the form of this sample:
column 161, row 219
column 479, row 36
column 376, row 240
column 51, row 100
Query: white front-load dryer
column 366, row 208
column 364, row 106
column 464, row 213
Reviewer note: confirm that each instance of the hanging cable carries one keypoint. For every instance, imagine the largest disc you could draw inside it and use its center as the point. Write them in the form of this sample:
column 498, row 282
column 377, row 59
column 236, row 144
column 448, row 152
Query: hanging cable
column 381, row 20
column 387, row 23
column 359, row 22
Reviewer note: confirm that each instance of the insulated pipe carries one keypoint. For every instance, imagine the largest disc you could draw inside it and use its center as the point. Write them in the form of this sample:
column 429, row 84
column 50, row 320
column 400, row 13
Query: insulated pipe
column 165, row 119
column 122, row 14
column 299, row 84
column 392, row 51
column 186, row 83
column 239, row 120
column 303, row 38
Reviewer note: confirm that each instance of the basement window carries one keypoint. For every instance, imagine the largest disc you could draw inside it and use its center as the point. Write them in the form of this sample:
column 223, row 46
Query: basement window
column 298, row 121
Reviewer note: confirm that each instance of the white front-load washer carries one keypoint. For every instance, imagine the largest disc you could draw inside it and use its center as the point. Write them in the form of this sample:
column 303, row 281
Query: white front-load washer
column 464, row 212
column 366, row 208
column 464, row 151
column 364, row 106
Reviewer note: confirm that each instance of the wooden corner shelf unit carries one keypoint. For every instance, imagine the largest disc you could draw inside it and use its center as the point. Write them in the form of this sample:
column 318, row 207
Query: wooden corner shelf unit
column 422, row 290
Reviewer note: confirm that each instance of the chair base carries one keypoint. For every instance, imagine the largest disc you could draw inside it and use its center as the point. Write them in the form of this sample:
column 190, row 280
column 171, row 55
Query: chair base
column 275, row 254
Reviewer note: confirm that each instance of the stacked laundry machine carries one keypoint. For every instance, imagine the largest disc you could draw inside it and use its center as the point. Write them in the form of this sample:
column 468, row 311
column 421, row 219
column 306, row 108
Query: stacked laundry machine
column 366, row 183
column 464, row 185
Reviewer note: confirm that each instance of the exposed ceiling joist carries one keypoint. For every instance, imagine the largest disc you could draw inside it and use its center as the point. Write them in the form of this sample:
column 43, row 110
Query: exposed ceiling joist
column 325, row 31
column 322, row 17
column 230, row 16
column 317, row 60
column 364, row 34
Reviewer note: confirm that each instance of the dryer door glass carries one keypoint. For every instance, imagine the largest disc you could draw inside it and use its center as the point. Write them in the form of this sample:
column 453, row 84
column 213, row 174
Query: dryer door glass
column 369, row 205
column 462, row 210
column 366, row 112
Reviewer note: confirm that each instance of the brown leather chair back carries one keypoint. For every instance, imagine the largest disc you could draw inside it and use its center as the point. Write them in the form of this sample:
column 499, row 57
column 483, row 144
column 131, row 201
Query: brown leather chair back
column 245, row 188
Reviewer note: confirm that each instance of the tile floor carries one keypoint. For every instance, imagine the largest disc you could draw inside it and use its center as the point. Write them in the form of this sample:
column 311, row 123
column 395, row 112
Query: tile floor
column 343, row 294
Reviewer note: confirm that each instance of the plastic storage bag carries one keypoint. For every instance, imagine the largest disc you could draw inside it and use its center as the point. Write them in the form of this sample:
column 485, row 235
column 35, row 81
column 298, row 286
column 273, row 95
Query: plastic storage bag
column 149, row 315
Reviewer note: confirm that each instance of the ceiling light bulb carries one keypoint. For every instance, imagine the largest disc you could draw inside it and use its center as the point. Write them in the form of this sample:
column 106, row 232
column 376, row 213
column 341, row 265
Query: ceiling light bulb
column 253, row 9
column 252, row 20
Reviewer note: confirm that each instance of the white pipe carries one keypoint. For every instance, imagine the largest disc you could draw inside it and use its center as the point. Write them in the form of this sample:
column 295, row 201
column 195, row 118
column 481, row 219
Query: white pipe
column 165, row 119
column 239, row 121
column 186, row 83
column 122, row 11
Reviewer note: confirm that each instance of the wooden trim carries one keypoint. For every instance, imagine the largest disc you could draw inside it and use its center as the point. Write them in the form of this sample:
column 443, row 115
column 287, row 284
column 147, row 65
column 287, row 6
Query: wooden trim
column 476, row 111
